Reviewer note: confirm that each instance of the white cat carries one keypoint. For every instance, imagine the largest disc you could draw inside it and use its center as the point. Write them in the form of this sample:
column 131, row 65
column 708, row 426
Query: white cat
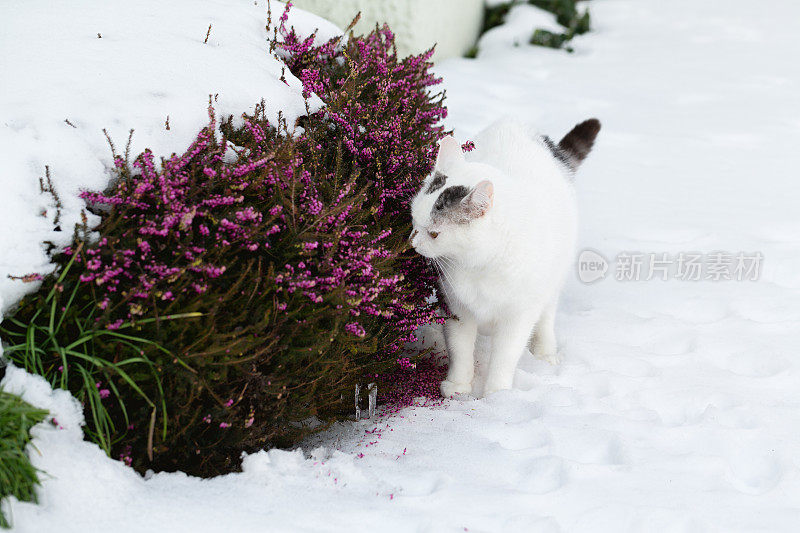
column 500, row 226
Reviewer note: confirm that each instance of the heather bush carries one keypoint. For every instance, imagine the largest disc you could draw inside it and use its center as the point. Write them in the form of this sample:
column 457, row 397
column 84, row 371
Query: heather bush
column 232, row 297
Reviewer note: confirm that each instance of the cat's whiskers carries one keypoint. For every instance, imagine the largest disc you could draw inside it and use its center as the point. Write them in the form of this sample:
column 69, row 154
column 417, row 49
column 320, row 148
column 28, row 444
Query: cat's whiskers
column 446, row 267
column 449, row 262
column 432, row 261
column 439, row 271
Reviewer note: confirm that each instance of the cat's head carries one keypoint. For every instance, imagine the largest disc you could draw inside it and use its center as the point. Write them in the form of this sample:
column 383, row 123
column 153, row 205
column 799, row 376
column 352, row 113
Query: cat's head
column 453, row 204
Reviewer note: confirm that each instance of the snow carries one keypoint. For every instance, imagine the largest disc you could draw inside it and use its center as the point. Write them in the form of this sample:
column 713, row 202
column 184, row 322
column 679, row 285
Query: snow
column 517, row 30
column 134, row 66
column 675, row 406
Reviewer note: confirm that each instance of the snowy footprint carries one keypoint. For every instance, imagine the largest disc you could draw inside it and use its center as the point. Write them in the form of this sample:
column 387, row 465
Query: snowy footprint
column 543, row 474
column 754, row 467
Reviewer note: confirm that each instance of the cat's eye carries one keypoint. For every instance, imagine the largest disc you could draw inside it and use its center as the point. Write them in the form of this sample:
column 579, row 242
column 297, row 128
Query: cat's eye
column 433, row 234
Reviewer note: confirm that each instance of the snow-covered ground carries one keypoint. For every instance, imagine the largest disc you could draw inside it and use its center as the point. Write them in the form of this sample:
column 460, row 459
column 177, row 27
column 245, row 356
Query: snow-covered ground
column 676, row 406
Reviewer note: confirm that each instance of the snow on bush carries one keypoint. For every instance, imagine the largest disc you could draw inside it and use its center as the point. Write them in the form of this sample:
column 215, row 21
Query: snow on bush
column 549, row 23
column 247, row 285
column 71, row 70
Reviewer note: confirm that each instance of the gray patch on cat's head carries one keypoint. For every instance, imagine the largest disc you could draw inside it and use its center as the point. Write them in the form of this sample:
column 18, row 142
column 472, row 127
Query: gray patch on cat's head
column 438, row 181
column 448, row 204
column 450, row 196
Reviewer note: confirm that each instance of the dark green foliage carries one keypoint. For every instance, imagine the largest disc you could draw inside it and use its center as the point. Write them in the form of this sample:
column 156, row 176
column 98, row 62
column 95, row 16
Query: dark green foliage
column 58, row 339
column 567, row 14
column 18, row 477
column 495, row 15
column 549, row 39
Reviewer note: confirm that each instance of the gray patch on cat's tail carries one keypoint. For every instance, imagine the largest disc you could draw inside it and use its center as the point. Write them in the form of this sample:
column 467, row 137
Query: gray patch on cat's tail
column 438, row 181
column 557, row 152
column 577, row 144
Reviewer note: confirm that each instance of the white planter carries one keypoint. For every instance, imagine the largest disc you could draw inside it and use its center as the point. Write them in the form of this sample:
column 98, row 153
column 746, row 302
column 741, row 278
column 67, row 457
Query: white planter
column 453, row 25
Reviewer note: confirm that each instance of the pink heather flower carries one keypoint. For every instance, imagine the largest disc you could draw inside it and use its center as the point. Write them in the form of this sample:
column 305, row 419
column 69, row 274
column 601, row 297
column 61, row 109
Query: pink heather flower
column 215, row 272
column 285, row 15
column 224, row 425
column 104, row 393
column 356, row 329
column 199, row 289
column 29, row 278
column 405, row 362
column 247, row 214
column 207, row 419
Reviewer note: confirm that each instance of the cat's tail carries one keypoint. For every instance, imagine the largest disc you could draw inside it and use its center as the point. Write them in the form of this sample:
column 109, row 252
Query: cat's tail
column 577, row 144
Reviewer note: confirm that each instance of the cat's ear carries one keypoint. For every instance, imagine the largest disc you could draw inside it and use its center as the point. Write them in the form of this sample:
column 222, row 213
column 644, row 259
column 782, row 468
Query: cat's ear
column 480, row 199
column 449, row 152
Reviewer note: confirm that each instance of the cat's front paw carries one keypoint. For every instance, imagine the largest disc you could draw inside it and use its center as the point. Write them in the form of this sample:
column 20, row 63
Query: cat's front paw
column 550, row 356
column 450, row 389
column 544, row 348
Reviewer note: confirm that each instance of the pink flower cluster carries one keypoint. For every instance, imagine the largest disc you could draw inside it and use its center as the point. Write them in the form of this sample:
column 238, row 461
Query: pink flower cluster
column 173, row 225
column 383, row 130
column 171, row 218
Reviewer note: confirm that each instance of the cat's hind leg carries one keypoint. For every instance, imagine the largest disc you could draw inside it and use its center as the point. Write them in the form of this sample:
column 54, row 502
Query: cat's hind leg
column 543, row 343
column 460, row 335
